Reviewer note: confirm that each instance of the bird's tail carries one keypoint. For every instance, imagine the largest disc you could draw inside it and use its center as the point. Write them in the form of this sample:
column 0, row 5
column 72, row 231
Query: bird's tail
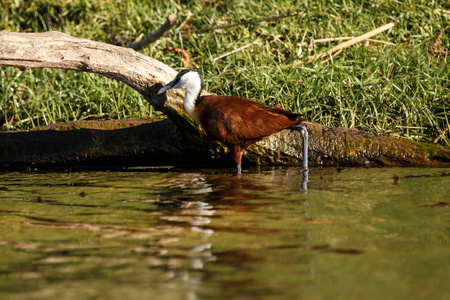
column 300, row 119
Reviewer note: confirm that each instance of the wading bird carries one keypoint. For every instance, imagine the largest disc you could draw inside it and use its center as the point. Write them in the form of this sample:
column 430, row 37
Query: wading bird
column 235, row 121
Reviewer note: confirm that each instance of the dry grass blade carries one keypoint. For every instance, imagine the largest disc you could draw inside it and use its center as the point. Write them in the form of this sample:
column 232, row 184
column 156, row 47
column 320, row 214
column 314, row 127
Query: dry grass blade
column 440, row 135
column 236, row 50
column 342, row 39
column 231, row 52
column 345, row 45
column 330, row 58
column 184, row 53
column 438, row 42
column 353, row 41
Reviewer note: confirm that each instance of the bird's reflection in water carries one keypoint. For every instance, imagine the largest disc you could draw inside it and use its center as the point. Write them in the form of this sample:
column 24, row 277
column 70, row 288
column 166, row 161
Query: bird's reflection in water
column 305, row 182
column 201, row 253
column 200, row 192
column 192, row 189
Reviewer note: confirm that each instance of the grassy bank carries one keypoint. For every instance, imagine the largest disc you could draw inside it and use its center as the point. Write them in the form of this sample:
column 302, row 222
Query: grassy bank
column 374, row 87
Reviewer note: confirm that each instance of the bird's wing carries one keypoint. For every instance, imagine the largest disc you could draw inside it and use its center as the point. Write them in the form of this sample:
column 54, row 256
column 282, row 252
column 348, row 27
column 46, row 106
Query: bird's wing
column 235, row 120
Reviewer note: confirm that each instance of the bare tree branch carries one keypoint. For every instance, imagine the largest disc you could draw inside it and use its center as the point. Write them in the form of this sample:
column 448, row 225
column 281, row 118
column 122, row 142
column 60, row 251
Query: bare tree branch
column 170, row 22
column 243, row 23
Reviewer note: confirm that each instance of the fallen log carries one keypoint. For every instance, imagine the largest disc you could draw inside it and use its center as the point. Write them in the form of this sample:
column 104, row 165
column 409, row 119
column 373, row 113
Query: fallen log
column 157, row 141
column 177, row 140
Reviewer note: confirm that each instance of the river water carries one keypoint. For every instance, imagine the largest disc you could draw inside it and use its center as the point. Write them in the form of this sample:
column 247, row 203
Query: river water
column 168, row 233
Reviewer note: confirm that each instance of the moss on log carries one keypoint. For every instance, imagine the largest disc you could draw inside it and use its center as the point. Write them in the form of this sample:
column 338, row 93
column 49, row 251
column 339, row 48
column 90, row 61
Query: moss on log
column 158, row 141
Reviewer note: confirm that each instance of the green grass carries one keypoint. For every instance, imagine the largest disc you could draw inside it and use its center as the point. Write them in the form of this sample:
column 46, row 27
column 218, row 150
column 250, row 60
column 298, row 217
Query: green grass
column 375, row 88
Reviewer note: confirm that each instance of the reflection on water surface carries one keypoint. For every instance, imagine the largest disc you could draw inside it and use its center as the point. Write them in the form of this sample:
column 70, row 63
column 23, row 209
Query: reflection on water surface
column 207, row 234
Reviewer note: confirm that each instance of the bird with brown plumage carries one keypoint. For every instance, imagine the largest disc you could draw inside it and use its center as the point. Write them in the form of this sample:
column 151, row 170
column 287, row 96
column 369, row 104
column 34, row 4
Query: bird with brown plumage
column 234, row 121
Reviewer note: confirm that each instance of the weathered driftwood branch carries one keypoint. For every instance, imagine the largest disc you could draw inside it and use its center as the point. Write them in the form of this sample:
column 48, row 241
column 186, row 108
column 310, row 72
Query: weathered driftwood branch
column 173, row 141
column 153, row 36
column 61, row 51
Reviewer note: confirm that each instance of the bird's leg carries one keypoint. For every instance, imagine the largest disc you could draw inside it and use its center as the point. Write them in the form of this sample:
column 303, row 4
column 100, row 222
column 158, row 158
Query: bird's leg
column 237, row 151
column 304, row 133
column 305, row 171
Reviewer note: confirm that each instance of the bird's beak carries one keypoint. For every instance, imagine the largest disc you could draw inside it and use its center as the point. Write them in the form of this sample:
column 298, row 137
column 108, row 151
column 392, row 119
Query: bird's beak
column 166, row 87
